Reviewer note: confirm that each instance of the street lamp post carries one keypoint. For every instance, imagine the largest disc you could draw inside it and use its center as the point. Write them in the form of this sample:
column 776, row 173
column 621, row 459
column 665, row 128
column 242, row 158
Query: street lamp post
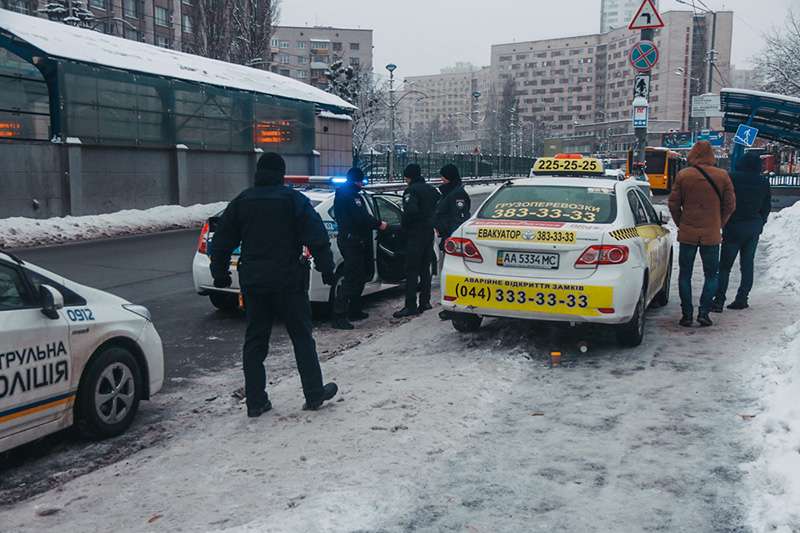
column 391, row 67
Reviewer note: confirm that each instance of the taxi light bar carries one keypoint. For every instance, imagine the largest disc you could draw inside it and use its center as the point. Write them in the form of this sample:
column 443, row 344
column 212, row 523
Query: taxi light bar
column 568, row 156
column 458, row 247
column 602, row 255
column 202, row 244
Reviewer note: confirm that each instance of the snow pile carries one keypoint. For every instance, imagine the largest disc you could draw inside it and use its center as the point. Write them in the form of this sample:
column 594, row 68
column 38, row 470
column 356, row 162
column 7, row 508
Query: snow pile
column 20, row 232
column 782, row 246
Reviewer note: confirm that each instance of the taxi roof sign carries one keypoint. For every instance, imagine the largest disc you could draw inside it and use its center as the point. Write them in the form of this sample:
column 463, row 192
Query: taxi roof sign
column 567, row 165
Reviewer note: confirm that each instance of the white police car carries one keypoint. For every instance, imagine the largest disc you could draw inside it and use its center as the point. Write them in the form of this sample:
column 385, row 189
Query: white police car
column 562, row 246
column 70, row 354
column 388, row 267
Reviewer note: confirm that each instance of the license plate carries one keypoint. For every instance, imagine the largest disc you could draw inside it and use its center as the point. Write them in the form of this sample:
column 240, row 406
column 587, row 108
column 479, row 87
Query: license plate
column 510, row 258
column 522, row 295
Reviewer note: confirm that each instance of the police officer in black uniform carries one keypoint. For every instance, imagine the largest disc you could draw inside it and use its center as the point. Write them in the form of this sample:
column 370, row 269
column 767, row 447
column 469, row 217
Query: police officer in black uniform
column 419, row 203
column 355, row 226
column 272, row 223
column 454, row 207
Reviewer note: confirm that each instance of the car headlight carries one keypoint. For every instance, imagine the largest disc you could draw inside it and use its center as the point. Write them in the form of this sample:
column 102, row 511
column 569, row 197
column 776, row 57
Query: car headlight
column 140, row 310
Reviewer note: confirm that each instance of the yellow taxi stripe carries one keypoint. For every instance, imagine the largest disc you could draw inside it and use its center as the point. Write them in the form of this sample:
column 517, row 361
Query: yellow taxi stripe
column 38, row 407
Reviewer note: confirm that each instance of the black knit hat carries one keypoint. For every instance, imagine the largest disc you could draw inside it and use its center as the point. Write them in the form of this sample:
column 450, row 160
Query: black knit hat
column 270, row 170
column 355, row 175
column 450, row 172
column 413, row 172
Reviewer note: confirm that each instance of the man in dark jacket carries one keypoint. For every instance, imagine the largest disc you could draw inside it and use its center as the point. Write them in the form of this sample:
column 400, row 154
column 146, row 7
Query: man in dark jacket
column 272, row 223
column 701, row 203
column 419, row 203
column 355, row 227
column 740, row 235
column 453, row 207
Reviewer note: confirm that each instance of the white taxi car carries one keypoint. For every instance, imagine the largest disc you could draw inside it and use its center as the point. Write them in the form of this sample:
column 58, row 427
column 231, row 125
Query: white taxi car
column 567, row 245
column 388, row 266
column 70, row 354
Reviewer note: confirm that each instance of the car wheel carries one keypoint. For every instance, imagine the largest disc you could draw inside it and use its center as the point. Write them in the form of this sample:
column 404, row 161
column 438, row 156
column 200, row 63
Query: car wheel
column 224, row 301
column 662, row 298
column 109, row 394
column 631, row 334
column 337, row 286
column 467, row 323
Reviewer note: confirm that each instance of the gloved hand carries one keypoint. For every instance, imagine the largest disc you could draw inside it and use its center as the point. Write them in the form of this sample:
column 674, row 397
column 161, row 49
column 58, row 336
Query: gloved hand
column 329, row 278
column 223, row 282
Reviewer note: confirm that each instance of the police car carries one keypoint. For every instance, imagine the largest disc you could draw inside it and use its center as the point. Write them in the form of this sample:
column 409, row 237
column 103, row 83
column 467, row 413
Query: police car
column 387, row 268
column 561, row 246
column 70, row 354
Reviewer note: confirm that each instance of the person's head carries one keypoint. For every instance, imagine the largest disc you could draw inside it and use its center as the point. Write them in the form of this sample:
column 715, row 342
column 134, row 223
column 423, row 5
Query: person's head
column 750, row 164
column 355, row 176
column 412, row 173
column 702, row 154
column 271, row 169
column 450, row 174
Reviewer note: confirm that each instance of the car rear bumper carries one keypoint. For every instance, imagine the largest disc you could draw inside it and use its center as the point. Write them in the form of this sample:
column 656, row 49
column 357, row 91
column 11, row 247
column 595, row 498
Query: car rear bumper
column 625, row 284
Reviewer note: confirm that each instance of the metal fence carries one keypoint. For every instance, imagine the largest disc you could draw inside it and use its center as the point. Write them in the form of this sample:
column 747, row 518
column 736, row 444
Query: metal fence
column 376, row 165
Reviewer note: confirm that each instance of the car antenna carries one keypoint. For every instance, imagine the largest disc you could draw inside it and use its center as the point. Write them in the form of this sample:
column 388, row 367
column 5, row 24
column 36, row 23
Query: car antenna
column 13, row 257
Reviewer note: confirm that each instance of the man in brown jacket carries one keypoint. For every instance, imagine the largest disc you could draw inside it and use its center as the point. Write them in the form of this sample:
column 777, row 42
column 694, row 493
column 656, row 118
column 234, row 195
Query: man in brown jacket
column 701, row 203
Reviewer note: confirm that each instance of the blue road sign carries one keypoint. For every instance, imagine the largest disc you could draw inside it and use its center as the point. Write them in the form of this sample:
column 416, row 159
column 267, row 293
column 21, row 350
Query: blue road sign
column 745, row 135
column 643, row 56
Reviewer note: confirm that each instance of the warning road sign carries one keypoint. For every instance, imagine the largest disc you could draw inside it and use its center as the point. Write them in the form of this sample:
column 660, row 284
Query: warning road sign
column 643, row 56
column 647, row 17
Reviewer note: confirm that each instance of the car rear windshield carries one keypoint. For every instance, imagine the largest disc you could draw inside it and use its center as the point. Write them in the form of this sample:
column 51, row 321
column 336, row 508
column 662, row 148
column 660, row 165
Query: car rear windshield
column 540, row 203
column 655, row 162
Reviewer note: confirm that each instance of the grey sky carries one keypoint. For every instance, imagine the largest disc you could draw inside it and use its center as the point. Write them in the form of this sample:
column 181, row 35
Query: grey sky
column 422, row 36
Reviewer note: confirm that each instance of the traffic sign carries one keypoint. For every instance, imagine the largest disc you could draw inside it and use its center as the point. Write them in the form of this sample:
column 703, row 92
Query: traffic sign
column 745, row 135
column 641, row 86
column 706, row 106
column 647, row 17
column 640, row 112
column 643, row 56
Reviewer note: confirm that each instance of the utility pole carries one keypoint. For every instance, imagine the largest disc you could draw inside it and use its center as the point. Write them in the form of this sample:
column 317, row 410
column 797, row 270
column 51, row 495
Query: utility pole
column 391, row 67
column 641, row 133
column 712, row 60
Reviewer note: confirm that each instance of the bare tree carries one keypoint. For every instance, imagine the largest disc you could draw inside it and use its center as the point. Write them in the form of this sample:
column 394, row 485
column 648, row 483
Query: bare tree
column 252, row 23
column 212, row 37
column 72, row 12
column 362, row 90
column 779, row 64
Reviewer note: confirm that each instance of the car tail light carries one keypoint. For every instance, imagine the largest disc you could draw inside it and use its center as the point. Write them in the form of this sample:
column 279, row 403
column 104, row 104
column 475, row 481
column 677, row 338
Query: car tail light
column 202, row 244
column 602, row 255
column 465, row 248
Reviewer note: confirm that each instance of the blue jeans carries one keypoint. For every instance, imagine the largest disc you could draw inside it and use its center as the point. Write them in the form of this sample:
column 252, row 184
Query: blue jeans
column 746, row 250
column 710, row 257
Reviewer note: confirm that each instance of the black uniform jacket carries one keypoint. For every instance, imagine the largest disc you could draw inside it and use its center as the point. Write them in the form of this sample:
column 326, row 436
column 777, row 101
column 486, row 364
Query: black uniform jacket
column 354, row 221
column 419, row 205
column 453, row 209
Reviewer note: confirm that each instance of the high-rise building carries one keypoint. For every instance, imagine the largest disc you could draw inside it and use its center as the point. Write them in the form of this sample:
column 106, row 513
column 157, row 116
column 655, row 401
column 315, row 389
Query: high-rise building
column 306, row 52
column 615, row 14
column 582, row 87
column 742, row 78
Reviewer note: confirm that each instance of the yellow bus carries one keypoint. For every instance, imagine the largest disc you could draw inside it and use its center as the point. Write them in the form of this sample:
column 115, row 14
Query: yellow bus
column 661, row 165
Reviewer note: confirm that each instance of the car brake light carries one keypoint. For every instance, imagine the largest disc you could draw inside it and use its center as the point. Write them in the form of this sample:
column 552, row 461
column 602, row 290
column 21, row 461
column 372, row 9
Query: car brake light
column 602, row 255
column 202, row 244
column 465, row 248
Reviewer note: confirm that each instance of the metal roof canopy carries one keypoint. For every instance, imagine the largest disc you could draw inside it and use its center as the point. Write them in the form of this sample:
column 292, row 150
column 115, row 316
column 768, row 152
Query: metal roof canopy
column 776, row 116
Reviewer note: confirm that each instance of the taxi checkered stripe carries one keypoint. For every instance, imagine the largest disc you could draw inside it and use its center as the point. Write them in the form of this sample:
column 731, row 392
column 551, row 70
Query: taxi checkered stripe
column 625, row 234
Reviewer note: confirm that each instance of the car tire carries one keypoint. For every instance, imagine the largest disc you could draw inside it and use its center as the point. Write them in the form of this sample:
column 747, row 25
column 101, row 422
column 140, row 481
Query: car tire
column 337, row 284
column 467, row 323
column 109, row 394
column 662, row 298
column 224, row 301
column 631, row 334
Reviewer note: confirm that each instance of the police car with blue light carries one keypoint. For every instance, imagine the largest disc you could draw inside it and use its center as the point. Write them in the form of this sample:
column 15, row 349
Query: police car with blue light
column 388, row 260
column 564, row 245
column 70, row 354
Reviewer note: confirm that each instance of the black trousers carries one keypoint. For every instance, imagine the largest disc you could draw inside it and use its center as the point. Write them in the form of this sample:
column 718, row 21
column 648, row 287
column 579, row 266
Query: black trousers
column 419, row 257
column 262, row 309
column 357, row 266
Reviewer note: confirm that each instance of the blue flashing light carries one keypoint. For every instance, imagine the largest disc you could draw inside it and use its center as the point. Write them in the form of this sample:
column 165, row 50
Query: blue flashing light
column 339, row 180
column 365, row 182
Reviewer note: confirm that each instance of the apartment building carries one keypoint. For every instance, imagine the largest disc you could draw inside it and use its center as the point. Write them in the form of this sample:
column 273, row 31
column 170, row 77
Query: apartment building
column 616, row 14
column 743, row 78
column 448, row 97
column 583, row 86
column 305, row 53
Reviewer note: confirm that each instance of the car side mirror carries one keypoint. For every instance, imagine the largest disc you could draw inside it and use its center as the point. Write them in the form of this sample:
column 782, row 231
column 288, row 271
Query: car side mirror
column 52, row 301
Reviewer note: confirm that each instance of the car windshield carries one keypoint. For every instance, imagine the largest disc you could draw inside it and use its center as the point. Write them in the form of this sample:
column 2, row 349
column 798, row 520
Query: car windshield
column 655, row 162
column 540, row 203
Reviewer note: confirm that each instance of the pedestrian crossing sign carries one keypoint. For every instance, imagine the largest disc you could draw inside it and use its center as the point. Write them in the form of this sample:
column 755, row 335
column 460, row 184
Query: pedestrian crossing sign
column 745, row 135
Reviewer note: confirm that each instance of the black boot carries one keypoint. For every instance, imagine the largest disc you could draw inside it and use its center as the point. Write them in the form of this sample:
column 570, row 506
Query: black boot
column 738, row 305
column 686, row 320
column 255, row 412
column 704, row 320
column 424, row 307
column 355, row 316
column 717, row 305
column 341, row 322
column 328, row 392
column 404, row 312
